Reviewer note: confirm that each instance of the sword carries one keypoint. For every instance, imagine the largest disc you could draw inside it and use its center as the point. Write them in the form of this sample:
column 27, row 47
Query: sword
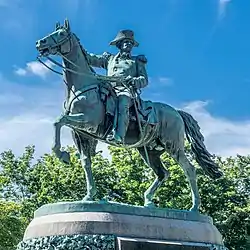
column 139, row 122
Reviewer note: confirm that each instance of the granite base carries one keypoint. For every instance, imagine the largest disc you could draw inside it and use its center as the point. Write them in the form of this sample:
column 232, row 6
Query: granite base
column 95, row 225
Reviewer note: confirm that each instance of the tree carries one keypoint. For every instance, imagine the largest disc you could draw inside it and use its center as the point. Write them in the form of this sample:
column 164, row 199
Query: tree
column 25, row 185
column 226, row 200
column 12, row 225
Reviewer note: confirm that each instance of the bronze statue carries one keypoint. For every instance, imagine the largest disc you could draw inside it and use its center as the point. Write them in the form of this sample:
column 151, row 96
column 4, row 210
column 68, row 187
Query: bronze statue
column 91, row 111
column 132, row 69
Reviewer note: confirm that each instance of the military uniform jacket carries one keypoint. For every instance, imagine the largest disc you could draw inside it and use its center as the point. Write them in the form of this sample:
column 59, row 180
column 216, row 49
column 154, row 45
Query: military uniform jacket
column 122, row 66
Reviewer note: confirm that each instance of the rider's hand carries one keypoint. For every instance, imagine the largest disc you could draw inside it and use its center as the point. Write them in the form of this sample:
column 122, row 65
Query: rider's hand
column 130, row 82
column 128, row 79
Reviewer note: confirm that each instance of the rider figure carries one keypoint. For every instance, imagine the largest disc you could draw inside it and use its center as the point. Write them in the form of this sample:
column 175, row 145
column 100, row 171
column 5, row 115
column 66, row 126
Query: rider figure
column 124, row 65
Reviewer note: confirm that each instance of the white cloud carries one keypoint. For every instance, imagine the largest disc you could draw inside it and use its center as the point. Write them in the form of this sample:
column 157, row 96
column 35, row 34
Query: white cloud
column 6, row 99
column 34, row 129
column 27, row 116
column 28, row 112
column 21, row 72
column 161, row 80
column 222, row 6
column 35, row 68
column 222, row 136
column 166, row 81
column 26, row 129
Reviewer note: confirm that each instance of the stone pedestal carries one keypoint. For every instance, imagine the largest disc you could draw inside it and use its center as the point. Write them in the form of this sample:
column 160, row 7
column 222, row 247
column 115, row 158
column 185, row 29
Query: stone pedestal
column 93, row 225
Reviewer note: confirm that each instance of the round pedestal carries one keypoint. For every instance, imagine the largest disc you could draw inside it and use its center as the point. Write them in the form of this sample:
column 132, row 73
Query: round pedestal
column 86, row 225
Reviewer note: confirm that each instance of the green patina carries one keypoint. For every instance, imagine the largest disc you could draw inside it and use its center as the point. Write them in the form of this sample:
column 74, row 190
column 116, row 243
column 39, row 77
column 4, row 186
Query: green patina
column 109, row 109
column 69, row 242
column 113, row 207
column 217, row 247
column 81, row 242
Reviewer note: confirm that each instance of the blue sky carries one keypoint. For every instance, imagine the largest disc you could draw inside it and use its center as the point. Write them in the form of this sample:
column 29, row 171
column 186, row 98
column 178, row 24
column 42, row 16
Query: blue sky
column 198, row 59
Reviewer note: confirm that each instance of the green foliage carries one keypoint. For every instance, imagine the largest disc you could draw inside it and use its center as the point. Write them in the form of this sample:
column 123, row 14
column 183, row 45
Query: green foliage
column 12, row 225
column 25, row 185
column 132, row 176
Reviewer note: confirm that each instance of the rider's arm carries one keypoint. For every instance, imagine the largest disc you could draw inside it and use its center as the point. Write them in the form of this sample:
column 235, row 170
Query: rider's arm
column 141, row 80
column 99, row 61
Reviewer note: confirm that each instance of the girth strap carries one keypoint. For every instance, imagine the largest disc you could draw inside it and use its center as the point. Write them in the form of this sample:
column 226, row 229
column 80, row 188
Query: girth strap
column 78, row 93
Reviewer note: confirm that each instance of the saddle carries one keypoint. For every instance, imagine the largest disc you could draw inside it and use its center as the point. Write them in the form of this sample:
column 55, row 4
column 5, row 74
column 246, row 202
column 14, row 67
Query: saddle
column 146, row 110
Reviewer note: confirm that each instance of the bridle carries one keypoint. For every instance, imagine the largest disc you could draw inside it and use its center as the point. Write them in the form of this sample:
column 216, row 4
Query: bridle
column 94, row 75
column 65, row 69
column 102, row 78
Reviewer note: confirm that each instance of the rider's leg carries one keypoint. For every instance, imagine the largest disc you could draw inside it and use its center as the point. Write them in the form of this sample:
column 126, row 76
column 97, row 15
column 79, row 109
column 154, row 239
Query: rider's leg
column 124, row 103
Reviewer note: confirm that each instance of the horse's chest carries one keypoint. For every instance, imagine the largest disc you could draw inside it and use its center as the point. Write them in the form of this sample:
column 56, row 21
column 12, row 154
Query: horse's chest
column 122, row 67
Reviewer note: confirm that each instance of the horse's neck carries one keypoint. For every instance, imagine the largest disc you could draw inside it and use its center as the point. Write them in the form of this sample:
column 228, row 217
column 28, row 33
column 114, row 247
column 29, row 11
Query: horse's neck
column 79, row 64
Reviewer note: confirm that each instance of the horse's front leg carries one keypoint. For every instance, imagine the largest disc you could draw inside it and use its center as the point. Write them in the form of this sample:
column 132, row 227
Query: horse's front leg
column 61, row 155
column 86, row 148
column 91, row 119
column 73, row 120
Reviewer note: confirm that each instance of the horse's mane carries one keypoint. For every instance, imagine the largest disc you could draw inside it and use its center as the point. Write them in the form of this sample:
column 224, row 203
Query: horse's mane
column 83, row 51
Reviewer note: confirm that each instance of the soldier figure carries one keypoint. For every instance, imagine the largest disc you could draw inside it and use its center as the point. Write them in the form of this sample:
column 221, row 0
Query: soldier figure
column 123, row 64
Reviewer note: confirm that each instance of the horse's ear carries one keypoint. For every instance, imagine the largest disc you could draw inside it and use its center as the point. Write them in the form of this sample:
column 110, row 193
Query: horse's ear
column 57, row 25
column 66, row 24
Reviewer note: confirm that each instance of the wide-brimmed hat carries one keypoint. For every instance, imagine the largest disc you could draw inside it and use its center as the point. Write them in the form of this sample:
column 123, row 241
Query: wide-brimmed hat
column 124, row 34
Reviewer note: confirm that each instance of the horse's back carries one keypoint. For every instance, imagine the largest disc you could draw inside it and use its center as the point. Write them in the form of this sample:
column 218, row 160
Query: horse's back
column 167, row 113
column 172, row 128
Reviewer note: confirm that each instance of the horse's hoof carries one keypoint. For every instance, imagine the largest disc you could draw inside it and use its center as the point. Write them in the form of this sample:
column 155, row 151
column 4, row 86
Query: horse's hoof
column 194, row 209
column 87, row 198
column 149, row 204
column 104, row 200
column 65, row 157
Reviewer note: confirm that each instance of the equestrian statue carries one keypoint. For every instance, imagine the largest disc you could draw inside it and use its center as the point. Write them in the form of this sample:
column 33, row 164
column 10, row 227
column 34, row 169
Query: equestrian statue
column 109, row 109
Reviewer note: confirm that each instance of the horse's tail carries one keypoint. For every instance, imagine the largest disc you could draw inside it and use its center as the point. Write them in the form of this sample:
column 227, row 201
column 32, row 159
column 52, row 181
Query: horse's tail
column 195, row 137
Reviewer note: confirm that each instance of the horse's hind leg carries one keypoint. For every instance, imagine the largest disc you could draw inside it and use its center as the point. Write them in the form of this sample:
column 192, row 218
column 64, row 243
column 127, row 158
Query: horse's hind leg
column 190, row 173
column 161, row 173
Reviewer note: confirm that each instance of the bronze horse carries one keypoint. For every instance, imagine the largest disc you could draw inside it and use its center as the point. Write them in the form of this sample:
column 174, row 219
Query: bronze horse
column 89, row 96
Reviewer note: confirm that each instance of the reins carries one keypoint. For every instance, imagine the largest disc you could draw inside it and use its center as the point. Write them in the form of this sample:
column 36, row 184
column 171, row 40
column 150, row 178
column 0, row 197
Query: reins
column 95, row 75
column 77, row 72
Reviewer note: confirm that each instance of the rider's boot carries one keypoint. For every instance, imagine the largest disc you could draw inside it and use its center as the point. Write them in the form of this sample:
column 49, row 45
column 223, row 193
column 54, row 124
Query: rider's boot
column 123, row 120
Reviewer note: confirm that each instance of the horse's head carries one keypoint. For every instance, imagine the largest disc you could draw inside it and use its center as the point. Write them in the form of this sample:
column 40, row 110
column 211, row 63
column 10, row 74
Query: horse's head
column 66, row 44
column 58, row 42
